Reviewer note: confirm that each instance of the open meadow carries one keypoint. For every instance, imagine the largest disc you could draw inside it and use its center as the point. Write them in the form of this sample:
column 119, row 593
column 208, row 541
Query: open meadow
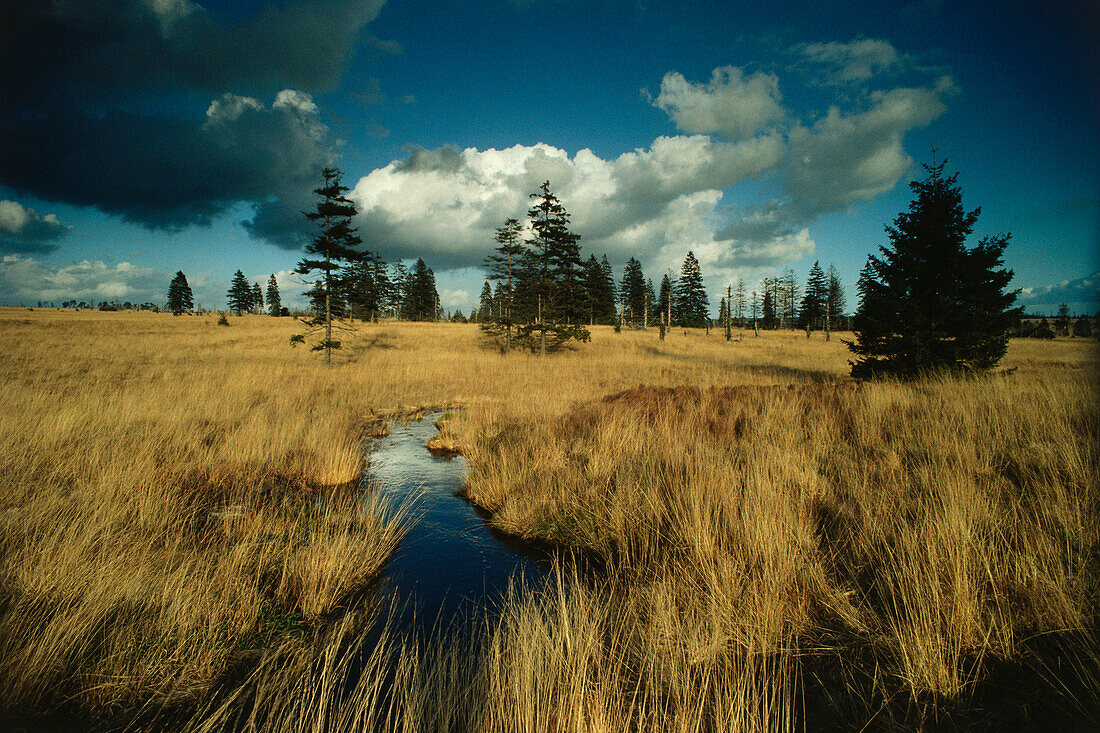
column 763, row 543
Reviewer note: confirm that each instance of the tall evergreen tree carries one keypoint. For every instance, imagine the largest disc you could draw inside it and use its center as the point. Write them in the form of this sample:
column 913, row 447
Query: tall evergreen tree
column 257, row 298
column 665, row 297
column 928, row 302
column 179, row 294
column 738, row 306
column 632, row 292
column 768, row 318
column 691, row 307
column 274, row 302
column 334, row 245
column 835, row 302
column 599, row 293
column 240, row 294
column 399, row 280
column 505, row 262
column 547, row 299
column 485, row 310
column 1062, row 321
column 787, row 299
column 612, row 290
column 421, row 297
column 364, row 284
column 555, row 260
column 812, row 311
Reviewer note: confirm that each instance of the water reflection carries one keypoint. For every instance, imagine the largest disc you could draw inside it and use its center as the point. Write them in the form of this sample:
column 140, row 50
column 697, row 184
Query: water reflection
column 450, row 560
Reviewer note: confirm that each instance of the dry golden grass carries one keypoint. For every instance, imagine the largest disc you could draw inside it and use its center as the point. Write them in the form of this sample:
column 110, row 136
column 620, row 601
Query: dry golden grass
column 159, row 475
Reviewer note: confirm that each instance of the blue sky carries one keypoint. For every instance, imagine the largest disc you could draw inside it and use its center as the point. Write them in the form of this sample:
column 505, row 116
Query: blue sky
column 148, row 136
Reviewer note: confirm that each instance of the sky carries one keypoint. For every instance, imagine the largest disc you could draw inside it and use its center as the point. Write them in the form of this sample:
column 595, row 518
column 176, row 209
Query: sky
column 142, row 137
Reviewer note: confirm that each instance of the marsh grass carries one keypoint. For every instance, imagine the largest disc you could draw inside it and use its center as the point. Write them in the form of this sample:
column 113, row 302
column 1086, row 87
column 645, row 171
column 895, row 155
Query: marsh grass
column 778, row 545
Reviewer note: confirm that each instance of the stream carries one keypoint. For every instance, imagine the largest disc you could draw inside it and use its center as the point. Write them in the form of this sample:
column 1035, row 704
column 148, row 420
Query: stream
column 450, row 563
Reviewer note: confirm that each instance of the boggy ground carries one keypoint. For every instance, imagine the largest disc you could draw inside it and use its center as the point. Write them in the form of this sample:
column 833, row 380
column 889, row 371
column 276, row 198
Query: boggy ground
column 917, row 554
column 783, row 547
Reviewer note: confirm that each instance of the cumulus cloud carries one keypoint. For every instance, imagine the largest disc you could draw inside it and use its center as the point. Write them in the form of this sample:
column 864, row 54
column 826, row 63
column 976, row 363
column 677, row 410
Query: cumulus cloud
column 857, row 61
column 682, row 192
column 25, row 230
column 655, row 203
column 25, row 279
column 1081, row 294
column 455, row 298
column 731, row 104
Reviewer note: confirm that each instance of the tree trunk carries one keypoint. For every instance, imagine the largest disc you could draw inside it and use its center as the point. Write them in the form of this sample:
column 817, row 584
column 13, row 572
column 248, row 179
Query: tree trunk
column 542, row 330
column 328, row 311
column 729, row 330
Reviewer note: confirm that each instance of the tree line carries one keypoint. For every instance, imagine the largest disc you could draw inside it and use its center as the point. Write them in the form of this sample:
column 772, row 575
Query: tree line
column 537, row 275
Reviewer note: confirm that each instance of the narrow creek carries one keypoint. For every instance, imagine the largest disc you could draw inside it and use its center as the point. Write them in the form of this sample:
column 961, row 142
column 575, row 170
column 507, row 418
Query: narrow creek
column 450, row 564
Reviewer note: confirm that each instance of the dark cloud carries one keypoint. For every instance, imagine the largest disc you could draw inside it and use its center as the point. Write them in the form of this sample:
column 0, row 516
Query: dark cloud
column 100, row 105
column 58, row 52
column 170, row 172
column 24, row 230
column 421, row 160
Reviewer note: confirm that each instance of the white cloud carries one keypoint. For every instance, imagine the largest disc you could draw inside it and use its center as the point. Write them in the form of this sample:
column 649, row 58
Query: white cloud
column 451, row 298
column 683, row 192
column 847, row 158
column 851, row 62
column 730, row 104
column 230, row 107
column 23, row 229
column 25, row 279
column 445, row 204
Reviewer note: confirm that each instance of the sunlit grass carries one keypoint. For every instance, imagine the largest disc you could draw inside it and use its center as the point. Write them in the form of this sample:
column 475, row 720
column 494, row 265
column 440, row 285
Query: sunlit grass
column 172, row 492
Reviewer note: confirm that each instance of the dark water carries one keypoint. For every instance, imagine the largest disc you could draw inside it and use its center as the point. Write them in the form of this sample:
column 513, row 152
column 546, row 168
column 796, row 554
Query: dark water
column 451, row 564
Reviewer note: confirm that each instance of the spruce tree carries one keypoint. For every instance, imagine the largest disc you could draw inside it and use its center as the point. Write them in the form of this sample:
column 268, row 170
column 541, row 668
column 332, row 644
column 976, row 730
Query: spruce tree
column 549, row 286
column 240, row 294
column 599, row 293
column 179, row 294
column 928, row 302
column 1061, row 323
column 651, row 301
column 274, row 302
column 835, row 302
column 556, row 259
column 691, row 305
column 611, row 291
column 334, row 245
column 257, row 298
column 421, row 297
column 364, row 285
column 632, row 291
column 812, row 311
column 505, row 261
column 485, row 304
column 738, row 307
column 665, row 296
column 395, row 297
column 768, row 308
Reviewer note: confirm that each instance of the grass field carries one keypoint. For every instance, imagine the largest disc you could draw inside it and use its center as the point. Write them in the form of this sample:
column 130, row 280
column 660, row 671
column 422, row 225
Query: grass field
column 777, row 544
